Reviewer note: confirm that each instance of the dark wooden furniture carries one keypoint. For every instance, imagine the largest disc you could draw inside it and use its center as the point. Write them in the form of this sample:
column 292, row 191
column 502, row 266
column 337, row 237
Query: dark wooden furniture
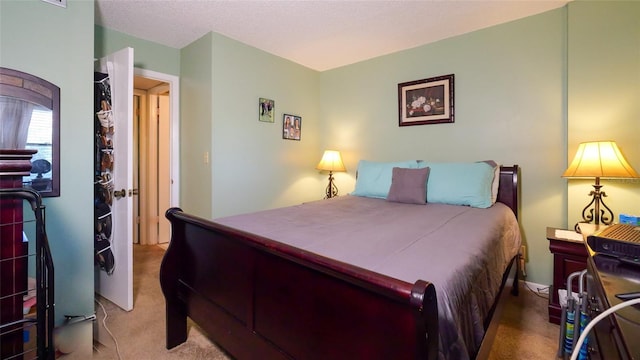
column 14, row 164
column 618, row 335
column 568, row 256
column 261, row 299
column 17, row 260
column 28, row 335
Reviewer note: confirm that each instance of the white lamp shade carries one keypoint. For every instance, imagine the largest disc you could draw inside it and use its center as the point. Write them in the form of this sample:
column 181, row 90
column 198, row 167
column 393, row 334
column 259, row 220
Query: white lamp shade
column 331, row 161
column 599, row 159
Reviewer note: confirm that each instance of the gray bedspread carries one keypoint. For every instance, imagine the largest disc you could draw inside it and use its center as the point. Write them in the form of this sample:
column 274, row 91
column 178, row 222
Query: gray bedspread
column 463, row 251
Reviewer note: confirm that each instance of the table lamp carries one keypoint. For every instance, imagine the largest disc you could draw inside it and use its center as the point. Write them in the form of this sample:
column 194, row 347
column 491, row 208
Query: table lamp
column 599, row 159
column 331, row 161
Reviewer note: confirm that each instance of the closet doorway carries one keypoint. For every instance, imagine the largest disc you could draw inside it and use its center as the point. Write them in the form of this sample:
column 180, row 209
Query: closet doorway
column 155, row 146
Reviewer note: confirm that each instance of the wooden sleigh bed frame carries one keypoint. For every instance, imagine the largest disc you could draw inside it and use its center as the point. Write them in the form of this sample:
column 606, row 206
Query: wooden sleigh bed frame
column 230, row 282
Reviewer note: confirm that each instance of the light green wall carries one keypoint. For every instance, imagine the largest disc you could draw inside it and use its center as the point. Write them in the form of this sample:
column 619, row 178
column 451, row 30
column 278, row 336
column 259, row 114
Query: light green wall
column 221, row 81
column 253, row 167
column 509, row 106
column 195, row 126
column 540, row 83
column 147, row 54
column 56, row 44
column 511, row 96
column 604, row 93
column 250, row 166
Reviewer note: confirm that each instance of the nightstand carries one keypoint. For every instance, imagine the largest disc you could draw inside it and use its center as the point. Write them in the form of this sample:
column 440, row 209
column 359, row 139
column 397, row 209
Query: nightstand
column 569, row 255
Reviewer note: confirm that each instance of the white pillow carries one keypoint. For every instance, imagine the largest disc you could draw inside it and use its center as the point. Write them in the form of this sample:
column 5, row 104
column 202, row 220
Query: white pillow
column 495, row 185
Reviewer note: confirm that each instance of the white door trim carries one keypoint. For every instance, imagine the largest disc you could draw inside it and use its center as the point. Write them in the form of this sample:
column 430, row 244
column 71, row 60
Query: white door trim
column 174, row 94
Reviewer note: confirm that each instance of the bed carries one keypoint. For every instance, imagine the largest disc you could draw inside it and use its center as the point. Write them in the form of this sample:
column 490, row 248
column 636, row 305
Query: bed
column 277, row 284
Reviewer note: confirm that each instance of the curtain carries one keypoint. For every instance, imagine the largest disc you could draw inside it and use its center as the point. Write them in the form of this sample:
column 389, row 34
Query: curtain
column 15, row 117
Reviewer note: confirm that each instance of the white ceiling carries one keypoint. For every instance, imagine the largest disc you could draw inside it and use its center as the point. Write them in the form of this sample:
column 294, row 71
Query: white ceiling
column 319, row 34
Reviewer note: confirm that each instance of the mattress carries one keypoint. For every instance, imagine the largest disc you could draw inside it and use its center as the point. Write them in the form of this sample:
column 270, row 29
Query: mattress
column 463, row 251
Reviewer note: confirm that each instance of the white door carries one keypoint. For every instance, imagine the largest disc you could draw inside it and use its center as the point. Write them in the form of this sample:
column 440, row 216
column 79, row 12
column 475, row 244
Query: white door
column 118, row 286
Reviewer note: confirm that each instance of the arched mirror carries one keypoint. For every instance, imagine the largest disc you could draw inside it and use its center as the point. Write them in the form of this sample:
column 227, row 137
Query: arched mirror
column 30, row 119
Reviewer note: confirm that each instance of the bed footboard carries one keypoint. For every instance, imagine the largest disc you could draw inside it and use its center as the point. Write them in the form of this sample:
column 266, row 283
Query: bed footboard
column 257, row 298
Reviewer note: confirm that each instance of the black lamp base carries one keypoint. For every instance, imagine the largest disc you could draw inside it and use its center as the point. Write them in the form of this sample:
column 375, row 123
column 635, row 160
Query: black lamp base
column 332, row 189
column 596, row 215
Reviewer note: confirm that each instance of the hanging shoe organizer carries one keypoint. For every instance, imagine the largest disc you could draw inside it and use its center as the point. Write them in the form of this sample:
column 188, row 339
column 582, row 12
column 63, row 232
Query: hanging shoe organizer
column 103, row 173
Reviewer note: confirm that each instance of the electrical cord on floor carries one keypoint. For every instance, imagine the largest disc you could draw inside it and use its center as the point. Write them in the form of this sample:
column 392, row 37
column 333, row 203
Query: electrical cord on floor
column 104, row 323
column 537, row 292
column 592, row 323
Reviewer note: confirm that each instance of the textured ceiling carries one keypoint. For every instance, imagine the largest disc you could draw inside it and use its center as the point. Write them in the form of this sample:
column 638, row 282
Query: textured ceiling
column 319, row 34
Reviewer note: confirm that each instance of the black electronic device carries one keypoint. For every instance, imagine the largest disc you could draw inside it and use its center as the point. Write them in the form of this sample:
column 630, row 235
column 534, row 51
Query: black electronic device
column 628, row 296
column 621, row 241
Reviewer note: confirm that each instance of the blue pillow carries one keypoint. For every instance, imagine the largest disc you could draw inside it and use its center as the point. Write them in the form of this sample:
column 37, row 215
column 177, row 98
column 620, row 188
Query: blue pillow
column 460, row 183
column 374, row 178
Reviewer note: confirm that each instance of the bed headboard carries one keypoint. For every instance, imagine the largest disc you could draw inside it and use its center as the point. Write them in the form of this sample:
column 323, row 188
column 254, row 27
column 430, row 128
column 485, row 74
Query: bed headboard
column 508, row 190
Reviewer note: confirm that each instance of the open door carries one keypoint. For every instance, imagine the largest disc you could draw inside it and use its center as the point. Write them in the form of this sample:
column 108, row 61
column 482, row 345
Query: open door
column 115, row 281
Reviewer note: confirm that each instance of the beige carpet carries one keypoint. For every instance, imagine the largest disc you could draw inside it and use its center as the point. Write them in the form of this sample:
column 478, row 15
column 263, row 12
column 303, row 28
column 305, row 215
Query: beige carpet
column 140, row 334
column 524, row 332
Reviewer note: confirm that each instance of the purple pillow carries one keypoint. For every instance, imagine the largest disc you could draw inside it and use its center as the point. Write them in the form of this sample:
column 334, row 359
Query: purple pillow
column 409, row 185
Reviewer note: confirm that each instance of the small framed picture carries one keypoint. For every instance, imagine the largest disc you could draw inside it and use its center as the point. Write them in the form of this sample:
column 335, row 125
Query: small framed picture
column 426, row 101
column 266, row 110
column 291, row 127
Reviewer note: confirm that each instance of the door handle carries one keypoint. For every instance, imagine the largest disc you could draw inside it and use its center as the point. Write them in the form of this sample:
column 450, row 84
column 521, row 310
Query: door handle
column 122, row 193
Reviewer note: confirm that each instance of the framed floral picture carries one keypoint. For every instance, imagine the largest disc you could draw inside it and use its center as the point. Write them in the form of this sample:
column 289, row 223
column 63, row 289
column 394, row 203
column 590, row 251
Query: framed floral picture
column 291, row 127
column 426, row 101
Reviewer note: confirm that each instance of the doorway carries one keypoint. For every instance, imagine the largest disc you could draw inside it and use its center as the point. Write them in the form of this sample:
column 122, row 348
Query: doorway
column 155, row 155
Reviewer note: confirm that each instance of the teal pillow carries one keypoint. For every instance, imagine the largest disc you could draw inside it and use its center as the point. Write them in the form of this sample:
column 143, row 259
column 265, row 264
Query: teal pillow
column 460, row 183
column 374, row 178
